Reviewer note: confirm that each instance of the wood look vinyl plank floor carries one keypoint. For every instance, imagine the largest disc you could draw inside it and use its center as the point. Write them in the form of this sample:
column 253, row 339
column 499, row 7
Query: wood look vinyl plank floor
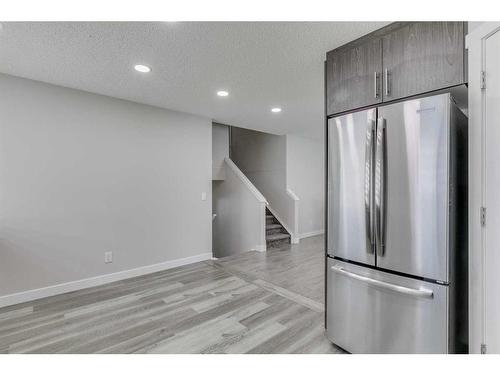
column 270, row 302
column 296, row 268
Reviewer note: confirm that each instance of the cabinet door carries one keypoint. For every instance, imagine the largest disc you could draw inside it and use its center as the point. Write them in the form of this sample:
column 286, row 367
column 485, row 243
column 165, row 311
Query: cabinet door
column 353, row 76
column 421, row 57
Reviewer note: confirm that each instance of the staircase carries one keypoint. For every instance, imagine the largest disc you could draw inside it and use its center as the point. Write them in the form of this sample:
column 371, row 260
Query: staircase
column 276, row 234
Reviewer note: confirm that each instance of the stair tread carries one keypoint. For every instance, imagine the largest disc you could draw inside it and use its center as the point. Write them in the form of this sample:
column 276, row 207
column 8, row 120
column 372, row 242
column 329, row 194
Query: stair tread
column 273, row 226
column 277, row 236
column 269, row 217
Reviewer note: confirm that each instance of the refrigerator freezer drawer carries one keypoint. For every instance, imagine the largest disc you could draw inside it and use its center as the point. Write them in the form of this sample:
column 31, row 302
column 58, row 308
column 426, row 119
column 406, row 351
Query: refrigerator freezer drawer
column 369, row 311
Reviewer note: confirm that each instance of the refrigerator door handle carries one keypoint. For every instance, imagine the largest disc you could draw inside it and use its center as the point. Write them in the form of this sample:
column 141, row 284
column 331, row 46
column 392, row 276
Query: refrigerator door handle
column 380, row 186
column 422, row 293
column 369, row 222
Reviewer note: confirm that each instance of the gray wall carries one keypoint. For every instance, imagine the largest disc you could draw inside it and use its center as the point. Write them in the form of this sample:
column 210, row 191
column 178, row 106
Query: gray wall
column 274, row 163
column 305, row 177
column 220, row 149
column 262, row 158
column 81, row 174
column 240, row 222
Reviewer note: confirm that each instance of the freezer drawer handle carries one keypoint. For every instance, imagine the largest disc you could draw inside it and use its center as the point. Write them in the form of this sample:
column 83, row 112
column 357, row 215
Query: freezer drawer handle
column 424, row 293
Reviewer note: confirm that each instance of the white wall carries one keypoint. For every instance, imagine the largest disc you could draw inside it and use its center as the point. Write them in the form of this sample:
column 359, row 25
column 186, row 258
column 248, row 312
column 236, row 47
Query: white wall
column 220, row 149
column 471, row 25
column 81, row 174
column 240, row 222
column 305, row 177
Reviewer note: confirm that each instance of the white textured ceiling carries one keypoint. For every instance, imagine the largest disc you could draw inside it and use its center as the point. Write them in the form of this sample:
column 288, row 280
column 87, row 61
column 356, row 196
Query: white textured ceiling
column 261, row 64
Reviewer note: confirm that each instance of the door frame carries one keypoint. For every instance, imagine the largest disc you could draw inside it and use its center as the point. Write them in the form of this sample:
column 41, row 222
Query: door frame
column 476, row 45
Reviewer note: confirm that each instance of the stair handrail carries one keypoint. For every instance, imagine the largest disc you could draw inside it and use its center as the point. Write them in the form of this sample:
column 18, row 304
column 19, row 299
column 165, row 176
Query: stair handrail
column 292, row 195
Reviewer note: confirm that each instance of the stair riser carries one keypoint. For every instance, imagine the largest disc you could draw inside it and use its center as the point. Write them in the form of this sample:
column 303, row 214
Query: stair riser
column 278, row 243
column 275, row 230
column 273, row 243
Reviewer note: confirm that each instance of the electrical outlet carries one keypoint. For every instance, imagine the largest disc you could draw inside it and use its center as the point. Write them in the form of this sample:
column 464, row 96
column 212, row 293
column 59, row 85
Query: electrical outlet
column 203, row 196
column 108, row 257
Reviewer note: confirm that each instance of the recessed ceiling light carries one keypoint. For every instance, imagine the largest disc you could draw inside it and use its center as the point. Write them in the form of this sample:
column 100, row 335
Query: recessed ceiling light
column 142, row 68
column 276, row 109
column 222, row 93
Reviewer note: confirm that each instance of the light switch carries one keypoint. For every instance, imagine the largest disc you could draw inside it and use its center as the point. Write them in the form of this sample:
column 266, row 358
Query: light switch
column 108, row 257
column 203, row 196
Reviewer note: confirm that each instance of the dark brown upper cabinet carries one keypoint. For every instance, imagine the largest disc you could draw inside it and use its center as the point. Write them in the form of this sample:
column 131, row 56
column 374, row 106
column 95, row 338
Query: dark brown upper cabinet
column 400, row 60
column 354, row 75
column 421, row 57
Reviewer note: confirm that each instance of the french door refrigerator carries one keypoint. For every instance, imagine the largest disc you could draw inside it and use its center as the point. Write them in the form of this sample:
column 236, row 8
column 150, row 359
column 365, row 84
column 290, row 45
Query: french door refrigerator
column 397, row 228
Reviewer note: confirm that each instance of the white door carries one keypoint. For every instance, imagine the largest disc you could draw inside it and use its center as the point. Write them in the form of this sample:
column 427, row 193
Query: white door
column 484, row 181
column 491, row 190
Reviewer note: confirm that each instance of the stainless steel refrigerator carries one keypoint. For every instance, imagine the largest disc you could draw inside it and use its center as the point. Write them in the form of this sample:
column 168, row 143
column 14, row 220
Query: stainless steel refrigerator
column 397, row 228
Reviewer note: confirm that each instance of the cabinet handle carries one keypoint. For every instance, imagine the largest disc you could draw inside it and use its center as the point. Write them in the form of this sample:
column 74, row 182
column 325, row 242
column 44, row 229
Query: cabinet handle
column 375, row 83
column 386, row 84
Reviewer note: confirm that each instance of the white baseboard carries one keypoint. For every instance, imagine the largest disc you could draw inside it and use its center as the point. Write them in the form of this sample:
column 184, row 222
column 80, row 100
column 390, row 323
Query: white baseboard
column 30, row 295
column 313, row 233
column 260, row 248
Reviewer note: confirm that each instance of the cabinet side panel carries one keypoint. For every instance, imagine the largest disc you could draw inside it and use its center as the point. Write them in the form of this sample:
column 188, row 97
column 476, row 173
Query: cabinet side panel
column 458, row 232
